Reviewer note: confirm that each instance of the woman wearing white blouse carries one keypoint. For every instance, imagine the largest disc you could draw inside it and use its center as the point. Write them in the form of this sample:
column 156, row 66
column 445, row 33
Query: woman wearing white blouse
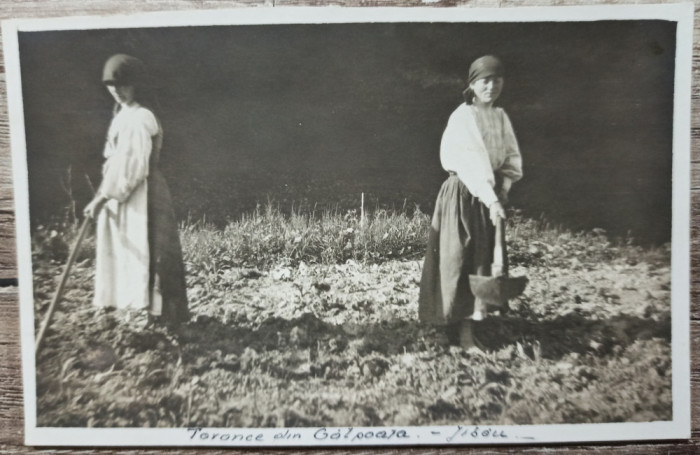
column 481, row 154
column 139, row 257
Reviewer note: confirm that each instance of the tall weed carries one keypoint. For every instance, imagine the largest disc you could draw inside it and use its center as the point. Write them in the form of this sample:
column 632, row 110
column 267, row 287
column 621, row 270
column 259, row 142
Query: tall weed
column 267, row 236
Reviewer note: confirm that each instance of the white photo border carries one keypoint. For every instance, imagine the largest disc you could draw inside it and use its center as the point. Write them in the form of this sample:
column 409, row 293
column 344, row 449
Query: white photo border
column 678, row 428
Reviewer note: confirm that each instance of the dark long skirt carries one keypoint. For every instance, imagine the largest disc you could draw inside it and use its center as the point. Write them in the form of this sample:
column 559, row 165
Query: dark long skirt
column 167, row 271
column 460, row 243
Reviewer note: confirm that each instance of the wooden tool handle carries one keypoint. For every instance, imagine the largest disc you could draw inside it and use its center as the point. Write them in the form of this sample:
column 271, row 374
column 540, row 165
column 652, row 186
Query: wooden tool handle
column 499, row 266
column 59, row 290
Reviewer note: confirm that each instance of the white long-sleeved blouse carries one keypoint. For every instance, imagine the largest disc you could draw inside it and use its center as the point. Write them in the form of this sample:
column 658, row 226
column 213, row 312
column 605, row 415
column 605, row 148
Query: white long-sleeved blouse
column 477, row 144
column 128, row 151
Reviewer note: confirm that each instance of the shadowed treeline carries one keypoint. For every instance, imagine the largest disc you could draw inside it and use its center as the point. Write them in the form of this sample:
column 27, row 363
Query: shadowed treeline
column 316, row 114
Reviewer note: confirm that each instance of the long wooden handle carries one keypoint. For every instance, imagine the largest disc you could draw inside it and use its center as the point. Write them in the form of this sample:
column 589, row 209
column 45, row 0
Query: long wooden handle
column 64, row 278
column 499, row 268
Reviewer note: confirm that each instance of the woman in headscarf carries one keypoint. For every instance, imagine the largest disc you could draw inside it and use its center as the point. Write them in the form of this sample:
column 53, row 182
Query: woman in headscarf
column 481, row 154
column 139, row 262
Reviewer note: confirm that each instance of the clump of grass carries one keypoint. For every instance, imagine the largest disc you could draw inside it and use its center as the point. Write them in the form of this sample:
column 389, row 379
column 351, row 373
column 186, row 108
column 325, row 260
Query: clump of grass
column 267, row 236
column 538, row 242
column 54, row 241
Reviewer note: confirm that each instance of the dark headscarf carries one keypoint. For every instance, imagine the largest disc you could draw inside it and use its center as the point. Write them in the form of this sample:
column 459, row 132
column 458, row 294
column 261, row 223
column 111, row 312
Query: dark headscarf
column 485, row 66
column 482, row 67
column 122, row 69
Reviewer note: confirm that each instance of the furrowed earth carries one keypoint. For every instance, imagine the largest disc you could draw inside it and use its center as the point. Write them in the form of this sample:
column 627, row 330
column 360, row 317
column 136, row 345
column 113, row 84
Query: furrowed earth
column 298, row 344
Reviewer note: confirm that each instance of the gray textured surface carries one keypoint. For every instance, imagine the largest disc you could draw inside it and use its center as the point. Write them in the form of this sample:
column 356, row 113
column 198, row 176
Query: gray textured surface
column 11, row 412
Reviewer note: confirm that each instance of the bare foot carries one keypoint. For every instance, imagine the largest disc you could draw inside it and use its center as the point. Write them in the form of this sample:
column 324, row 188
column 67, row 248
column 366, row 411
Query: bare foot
column 480, row 310
column 467, row 340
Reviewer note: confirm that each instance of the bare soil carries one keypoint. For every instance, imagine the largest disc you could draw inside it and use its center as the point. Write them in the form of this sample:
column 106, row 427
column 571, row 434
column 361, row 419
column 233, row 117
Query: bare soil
column 340, row 345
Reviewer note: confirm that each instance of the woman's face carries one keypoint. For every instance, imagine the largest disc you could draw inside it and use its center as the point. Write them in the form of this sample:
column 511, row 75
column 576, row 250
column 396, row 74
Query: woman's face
column 122, row 94
column 487, row 89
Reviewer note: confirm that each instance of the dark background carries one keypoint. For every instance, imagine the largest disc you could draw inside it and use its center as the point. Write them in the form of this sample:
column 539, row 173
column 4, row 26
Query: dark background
column 314, row 115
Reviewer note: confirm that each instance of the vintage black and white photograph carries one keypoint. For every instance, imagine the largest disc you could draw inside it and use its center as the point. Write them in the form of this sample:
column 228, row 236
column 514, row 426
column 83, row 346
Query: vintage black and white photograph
column 374, row 231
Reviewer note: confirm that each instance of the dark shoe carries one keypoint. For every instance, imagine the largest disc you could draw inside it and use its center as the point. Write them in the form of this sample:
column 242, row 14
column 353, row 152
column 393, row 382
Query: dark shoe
column 452, row 332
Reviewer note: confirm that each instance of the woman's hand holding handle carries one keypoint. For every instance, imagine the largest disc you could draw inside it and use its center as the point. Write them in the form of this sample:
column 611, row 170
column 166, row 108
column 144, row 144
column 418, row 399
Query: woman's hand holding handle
column 93, row 208
column 496, row 211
